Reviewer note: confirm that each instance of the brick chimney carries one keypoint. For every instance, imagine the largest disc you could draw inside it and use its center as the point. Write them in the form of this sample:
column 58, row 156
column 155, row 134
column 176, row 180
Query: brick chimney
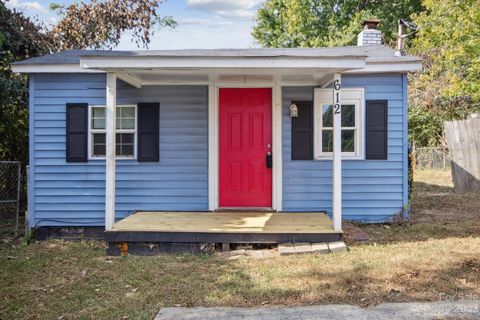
column 370, row 35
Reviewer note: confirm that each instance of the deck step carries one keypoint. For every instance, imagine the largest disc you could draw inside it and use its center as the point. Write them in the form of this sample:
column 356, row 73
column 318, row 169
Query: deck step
column 300, row 248
column 337, row 246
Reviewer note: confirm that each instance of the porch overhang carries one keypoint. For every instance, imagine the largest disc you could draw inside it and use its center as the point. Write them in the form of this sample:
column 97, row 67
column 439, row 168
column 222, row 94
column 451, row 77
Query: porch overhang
column 139, row 71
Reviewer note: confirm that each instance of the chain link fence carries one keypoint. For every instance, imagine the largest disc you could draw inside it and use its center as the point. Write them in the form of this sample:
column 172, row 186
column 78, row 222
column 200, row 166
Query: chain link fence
column 431, row 158
column 10, row 183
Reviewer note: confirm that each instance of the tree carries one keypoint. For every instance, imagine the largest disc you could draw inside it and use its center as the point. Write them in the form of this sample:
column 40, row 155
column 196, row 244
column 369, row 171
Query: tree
column 447, row 38
column 97, row 24
column 449, row 87
column 317, row 23
column 20, row 38
column 84, row 25
column 100, row 24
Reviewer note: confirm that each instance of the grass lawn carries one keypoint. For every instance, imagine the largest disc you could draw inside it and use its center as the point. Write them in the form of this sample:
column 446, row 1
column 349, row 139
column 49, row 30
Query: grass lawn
column 435, row 255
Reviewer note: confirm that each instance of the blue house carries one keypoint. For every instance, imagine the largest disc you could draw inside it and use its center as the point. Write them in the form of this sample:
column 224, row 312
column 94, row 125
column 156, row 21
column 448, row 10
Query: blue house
column 196, row 145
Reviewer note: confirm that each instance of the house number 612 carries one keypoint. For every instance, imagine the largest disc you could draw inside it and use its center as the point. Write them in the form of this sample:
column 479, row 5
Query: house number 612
column 337, row 86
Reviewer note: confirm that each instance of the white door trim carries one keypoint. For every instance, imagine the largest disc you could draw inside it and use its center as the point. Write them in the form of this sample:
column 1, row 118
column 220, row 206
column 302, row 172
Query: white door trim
column 213, row 140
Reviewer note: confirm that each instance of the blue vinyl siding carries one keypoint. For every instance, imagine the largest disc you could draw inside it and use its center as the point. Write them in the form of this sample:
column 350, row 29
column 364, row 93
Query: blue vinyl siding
column 406, row 204
column 74, row 193
column 63, row 194
column 372, row 190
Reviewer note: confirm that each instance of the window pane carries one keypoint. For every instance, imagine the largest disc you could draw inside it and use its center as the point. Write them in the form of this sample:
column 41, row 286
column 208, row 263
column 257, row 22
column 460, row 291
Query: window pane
column 99, row 150
column 348, row 140
column 127, row 123
column 327, row 115
column 99, row 138
column 98, row 112
column 127, row 150
column 348, row 115
column 98, row 124
column 127, row 112
column 127, row 138
column 327, row 140
column 98, row 118
column 124, row 144
column 125, row 118
column 99, row 144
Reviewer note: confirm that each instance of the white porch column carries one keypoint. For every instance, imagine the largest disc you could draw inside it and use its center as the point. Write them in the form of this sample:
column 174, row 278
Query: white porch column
column 277, row 191
column 337, row 152
column 110, row 150
column 212, row 146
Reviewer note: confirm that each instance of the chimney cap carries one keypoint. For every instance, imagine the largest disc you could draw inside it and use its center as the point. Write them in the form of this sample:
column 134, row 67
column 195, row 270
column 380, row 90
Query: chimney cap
column 370, row 24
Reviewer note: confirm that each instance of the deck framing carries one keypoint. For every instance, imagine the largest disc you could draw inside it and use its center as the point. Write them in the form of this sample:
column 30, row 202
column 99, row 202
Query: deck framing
column 197, row 237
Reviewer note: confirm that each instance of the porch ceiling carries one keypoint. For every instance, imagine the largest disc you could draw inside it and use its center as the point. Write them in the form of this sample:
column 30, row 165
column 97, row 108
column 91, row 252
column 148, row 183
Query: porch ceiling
column 202, row 76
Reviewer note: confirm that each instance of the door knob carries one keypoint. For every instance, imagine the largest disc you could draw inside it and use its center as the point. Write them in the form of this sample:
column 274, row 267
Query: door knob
column 269, row 159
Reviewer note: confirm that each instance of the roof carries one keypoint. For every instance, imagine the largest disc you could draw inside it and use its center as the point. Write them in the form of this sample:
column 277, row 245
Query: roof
column 378, row 53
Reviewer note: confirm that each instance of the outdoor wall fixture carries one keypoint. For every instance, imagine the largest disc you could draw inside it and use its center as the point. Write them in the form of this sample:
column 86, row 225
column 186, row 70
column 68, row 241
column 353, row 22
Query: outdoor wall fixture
column 293, row 111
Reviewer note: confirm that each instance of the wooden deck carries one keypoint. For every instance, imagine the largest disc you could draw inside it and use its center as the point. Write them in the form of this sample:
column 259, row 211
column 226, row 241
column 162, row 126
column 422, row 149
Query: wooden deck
column 240, row 227
column 226, row 222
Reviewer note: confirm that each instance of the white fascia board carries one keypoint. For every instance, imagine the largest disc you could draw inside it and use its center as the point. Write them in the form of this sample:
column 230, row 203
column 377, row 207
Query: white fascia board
column 336, row 63
column 344, row 66
column 52, row 68
column 389, row 67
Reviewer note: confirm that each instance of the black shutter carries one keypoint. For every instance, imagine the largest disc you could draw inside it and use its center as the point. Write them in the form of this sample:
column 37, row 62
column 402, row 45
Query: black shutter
column 377, row 129
column 302, row 131
column 148, row 132
column 77, row 132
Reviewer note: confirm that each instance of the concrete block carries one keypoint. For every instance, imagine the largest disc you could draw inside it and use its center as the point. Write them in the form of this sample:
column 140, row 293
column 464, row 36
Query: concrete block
column 269, row 253
column 286, row 249
column 338, row 246
column 261, row 254
column 303, row 248
column 320, row 248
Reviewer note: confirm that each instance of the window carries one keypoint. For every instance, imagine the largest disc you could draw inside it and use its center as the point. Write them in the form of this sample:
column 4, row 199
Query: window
column 126, row 125
column 351, row 123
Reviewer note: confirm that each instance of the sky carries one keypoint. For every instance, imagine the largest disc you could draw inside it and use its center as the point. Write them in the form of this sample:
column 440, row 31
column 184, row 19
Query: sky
column 201, row 23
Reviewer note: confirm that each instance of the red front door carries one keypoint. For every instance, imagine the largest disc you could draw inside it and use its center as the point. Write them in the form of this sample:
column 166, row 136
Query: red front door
column 245, row 136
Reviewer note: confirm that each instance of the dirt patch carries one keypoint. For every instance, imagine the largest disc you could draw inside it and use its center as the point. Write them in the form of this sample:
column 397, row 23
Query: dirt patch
column 436, row 212
column 353, row 233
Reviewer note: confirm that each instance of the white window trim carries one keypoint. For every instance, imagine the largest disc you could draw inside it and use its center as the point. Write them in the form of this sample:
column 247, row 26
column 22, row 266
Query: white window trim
column 354, row 96
column 91, row 131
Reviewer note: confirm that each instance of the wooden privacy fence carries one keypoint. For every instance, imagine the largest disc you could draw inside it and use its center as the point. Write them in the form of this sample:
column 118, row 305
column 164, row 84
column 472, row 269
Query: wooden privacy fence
column 463, row 139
